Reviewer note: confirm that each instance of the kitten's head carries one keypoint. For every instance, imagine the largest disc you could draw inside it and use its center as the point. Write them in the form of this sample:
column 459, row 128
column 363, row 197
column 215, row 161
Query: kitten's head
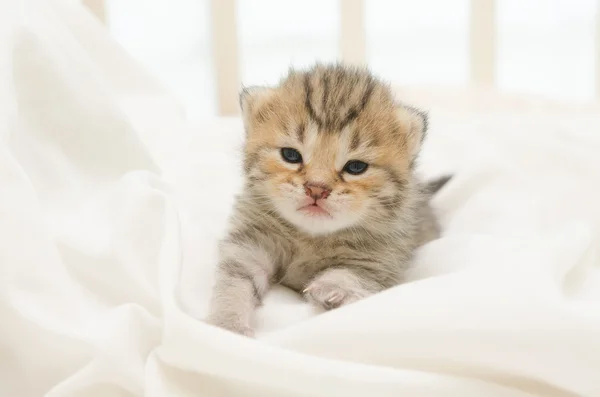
column 329, row 149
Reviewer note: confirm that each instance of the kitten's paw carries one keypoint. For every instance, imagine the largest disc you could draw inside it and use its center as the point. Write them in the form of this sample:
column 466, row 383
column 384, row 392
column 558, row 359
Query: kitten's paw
column 327, row 295
column 231, row 325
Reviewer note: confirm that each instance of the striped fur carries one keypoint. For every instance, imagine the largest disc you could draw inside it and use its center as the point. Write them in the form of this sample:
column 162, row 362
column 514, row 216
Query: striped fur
column 373, row 221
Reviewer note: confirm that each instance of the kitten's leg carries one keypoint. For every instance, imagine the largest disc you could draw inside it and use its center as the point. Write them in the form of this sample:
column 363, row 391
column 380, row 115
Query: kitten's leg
column 242, row 281
column 337, row 286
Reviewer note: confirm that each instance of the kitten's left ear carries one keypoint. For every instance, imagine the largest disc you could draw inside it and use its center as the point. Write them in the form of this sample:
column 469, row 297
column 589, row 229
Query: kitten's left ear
column 417, row 122
column 251, row 100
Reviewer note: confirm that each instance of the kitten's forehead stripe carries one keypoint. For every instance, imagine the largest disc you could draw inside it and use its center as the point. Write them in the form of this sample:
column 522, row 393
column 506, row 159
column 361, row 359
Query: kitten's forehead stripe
column 300, row 132
column 355, row 141
column 340, row 99
column 325, row 92
column 307, row 100
column 354, row 112
column 342, row 95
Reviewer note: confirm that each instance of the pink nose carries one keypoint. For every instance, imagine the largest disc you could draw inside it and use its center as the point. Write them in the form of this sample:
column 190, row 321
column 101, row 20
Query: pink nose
column 316, row 191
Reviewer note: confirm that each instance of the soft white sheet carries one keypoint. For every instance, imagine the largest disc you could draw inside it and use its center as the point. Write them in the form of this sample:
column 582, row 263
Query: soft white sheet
column 110, row 205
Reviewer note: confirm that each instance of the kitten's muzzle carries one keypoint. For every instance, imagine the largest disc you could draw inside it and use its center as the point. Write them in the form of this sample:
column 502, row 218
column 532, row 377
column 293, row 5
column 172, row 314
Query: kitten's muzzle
column 316, row 192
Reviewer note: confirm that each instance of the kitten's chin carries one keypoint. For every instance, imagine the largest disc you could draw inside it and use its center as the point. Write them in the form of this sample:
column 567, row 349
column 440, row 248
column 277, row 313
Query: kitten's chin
column 315, row 220
column 314, row 210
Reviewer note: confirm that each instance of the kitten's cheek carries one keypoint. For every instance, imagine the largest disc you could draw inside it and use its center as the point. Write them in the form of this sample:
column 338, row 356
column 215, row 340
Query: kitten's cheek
column 277, row 190
column 290, row 198
column 339, row 207
column 355, row 205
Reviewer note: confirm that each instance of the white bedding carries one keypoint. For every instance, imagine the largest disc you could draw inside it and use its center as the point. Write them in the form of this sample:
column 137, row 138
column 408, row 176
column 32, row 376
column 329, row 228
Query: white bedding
column 110, row 206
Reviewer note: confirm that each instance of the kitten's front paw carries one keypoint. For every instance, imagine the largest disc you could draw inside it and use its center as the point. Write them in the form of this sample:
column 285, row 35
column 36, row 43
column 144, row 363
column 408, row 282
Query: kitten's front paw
column 230, row 325
column 327, row 295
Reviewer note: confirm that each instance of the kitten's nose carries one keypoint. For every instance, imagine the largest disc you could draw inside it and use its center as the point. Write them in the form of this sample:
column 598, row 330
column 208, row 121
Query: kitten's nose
column 316, row 191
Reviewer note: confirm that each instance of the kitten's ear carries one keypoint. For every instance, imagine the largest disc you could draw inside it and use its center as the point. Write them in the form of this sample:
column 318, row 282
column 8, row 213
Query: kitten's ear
column 417, row 122
column 251, row 99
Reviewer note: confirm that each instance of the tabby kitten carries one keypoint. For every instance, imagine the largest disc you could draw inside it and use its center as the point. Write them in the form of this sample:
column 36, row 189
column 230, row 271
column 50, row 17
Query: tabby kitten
column 331, row 206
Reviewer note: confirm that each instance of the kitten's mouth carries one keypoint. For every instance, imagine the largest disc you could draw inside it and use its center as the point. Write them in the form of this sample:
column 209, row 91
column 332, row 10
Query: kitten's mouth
column 314, row 209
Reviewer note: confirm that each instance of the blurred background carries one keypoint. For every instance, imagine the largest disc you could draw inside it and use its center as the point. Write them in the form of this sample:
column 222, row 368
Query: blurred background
column 542, row 47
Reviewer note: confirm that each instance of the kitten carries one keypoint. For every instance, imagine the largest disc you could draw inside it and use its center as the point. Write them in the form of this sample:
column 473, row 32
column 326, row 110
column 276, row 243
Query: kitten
column 331, row 206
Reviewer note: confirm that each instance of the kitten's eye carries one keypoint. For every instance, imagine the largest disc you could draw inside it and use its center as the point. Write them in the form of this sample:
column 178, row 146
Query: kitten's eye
column 291, row 155
column 356, row 167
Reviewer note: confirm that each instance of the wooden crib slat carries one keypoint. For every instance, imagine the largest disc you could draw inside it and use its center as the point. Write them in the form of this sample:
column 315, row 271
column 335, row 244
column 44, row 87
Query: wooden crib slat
column 225, row 55
column 483, row 41
column 353, row 41
column 597, row 49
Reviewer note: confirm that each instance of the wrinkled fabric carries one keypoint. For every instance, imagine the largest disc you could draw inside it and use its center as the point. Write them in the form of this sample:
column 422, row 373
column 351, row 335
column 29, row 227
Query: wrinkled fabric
column 111, row 205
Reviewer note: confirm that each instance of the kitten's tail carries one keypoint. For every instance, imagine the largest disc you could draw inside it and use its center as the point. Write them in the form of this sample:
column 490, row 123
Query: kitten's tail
column 433, row 186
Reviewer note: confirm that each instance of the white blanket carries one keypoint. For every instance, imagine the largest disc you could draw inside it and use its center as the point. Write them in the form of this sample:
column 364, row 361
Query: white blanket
column 110, row 206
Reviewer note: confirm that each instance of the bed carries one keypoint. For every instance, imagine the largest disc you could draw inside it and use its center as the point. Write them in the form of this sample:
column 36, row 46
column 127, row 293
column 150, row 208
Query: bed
column 111, row 203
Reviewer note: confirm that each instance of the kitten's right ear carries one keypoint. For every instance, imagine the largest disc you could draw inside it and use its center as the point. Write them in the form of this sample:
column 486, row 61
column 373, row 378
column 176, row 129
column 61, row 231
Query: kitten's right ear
column 417, row 121
column 251, row 99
